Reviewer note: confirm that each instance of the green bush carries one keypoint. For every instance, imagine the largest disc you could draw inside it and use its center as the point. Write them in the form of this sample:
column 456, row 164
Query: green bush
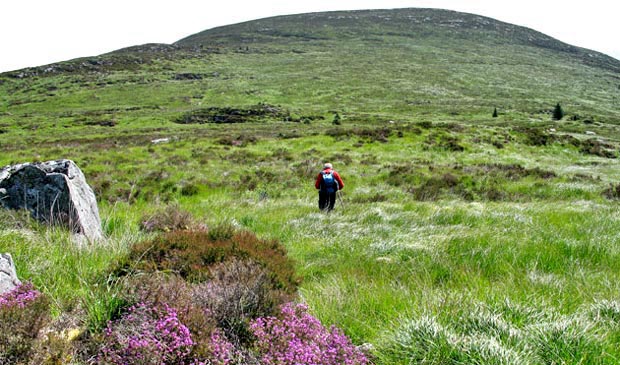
column 191, row 254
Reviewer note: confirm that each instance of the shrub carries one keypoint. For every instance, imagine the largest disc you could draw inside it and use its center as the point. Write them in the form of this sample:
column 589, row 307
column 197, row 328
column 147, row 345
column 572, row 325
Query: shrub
column 163, row 289
column 592, row 146
column 240, row 290
column 433, row 188
column 444, row 141
column 380, row 134
column 170, row 218
column 23, row 312
column 190, row 190
column 537, row 137
column 147, row 335
column 191, row 253
column 299, row 338
column 612, row 192
column 255, row 113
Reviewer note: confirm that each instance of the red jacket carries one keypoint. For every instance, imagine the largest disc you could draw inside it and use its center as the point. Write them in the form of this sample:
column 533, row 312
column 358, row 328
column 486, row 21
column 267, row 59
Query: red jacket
column 319, row 179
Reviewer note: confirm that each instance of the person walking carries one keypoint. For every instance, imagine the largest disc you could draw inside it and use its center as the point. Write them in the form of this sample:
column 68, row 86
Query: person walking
column 328, row 182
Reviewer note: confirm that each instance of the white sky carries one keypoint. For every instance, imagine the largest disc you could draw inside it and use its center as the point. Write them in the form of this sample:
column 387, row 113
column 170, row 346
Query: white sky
column 38, row 32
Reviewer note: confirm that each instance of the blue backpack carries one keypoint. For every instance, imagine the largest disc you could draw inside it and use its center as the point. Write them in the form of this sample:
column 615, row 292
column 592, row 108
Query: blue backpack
column 330, row 184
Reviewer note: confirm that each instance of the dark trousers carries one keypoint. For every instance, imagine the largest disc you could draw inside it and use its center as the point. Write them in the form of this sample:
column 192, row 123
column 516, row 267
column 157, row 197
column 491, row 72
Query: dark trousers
column 327, row 201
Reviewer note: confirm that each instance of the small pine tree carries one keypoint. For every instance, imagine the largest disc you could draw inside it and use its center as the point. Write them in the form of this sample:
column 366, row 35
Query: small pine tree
column 558, row 113
column 336, row 120
column 495, row 113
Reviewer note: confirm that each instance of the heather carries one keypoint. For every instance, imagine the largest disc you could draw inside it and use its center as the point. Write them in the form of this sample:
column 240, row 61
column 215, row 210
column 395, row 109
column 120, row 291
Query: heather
column 23, row 312
column 191, row 254
column 146, row 335
column 299, row 338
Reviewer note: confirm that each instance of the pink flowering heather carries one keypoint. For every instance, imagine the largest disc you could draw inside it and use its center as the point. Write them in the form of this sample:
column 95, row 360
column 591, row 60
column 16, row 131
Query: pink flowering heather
column 223, row 351
column 23, row 312
column 298, row 338
column 147, row 335
column 20, row 297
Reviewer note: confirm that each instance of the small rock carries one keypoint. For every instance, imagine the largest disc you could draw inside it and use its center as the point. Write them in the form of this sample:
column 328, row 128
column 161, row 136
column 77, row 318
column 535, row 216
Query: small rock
column 590, row 133
column 160, row 140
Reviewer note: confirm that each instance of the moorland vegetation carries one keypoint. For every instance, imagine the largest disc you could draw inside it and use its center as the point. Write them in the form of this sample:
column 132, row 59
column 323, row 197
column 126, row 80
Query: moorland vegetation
column 475, row 227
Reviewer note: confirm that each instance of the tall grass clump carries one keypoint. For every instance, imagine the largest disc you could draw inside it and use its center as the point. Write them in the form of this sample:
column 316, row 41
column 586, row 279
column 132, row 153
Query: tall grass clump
column 167, row 219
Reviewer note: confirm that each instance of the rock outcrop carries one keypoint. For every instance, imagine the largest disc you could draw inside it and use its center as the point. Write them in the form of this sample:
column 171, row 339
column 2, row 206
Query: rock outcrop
column 8, row 275
column 55, row 192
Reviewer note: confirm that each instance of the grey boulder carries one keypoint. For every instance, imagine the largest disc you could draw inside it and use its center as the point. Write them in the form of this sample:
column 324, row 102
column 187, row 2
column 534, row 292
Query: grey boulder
column 55, row 193
column 8, row 275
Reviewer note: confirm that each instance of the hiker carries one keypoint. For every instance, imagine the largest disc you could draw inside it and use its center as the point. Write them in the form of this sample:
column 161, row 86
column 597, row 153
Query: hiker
column 328, row 182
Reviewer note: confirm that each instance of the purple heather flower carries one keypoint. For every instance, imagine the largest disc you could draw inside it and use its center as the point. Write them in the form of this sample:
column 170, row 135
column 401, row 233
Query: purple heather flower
column 299, row 338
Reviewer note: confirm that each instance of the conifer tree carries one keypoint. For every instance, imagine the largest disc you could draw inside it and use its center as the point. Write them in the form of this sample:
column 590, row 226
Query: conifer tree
column 336, row 120
column 558, row 113
column 495, row 113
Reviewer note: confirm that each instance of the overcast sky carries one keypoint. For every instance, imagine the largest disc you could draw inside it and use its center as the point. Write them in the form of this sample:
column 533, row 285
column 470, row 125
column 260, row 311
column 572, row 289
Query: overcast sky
column 38, row 32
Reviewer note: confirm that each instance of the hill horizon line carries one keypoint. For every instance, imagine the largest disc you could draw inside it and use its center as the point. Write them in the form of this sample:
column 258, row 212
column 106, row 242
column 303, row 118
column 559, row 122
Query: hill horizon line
column 179, row 42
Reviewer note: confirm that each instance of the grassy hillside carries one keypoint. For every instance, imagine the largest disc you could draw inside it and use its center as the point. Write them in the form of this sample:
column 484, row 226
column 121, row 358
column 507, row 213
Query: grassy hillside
column 460, row 238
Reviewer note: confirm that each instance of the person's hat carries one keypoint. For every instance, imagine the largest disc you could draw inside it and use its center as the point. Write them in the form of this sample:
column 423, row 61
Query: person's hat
column 327, row 166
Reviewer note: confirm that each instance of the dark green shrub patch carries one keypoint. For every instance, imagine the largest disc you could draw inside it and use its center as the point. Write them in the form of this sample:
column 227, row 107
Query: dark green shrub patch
column 191, row 254
column 509, row 171
column 435, row 187
column 612, row 192
column 190, row 189
column 251, row 181
column 241, row 140
column 443, row 141
column 476, row 182
column 256, row 113
column 403, row 174
column 381, row 134
column 590, row 146
column 593, row 146
column 537, row 137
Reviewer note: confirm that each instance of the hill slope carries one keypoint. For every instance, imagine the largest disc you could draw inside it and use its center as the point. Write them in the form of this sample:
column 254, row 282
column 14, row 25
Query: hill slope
column 418, row 25
column 392, row 63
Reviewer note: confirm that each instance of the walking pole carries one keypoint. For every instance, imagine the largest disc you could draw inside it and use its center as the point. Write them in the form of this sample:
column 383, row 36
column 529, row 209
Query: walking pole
column 340, row 199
